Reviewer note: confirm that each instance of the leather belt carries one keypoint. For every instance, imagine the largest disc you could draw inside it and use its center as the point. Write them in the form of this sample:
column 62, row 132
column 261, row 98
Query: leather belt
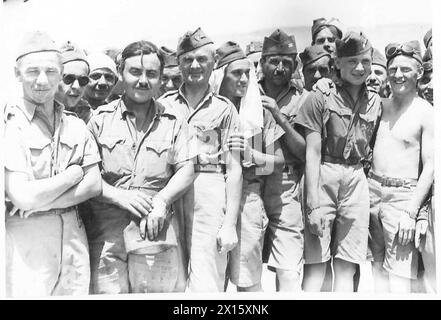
column 215, row 168
column 393, row 182
column 55, row 211
column 349, row 162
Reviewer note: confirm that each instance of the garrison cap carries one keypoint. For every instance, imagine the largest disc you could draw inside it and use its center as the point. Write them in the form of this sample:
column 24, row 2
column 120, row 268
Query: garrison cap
column 279, row 43
column 332, row 24
column 191, row 41
column 313, row 53
column 71, row 52
column 253, row 47
column 170, row 58
column 428, row 38
column 228, row 52
column 378, row 58
column 352, row 44
column 34, row 42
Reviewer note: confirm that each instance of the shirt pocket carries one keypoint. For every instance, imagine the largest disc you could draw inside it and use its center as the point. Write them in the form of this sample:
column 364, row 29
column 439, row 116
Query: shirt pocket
column 156, row 160
column 116, row 154
column 70, row 152
column 40, row 153
column 367, row 124
column 207, row 136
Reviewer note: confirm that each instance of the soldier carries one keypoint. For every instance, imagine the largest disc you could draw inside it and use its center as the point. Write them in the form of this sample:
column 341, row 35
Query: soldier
column 402, row 172
column 326, row 32
column 338, row 129
column 51, row 165
column 317, row 64
column 283, row 249
column 377, row 80
column 260, row 150
column 146, row 166
column 210, row 227
column 103, row 77
column 254, row 53
column 171, row 77
column 425, row 86
column 75, row 78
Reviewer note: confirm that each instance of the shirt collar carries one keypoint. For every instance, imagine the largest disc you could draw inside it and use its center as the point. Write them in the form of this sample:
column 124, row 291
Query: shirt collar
column 159, row 109
column 29, row 108
column 207, row 94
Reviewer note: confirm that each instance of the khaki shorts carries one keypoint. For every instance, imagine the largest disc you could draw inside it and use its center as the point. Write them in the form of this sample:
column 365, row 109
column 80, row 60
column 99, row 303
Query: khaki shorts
column 207, row 267
column 46, row 255
column 283, row 244
column 344, row 195
column 428, row 253
column 387, row 204
column 245, row 260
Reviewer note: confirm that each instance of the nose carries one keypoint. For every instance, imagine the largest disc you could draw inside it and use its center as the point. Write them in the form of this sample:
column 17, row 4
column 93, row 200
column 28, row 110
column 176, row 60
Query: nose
column 243, row 79
column 169, row 84
column 398, row 73
column 75, row 84
column 42, row 78
column 194, row 64
column 317, row 75
column 359, row 67
column 280, row 66
column 102, row 80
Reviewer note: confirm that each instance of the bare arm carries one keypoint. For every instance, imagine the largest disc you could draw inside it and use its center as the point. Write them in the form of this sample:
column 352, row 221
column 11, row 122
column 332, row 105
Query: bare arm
column 179, row 182
column 267, row 161
column 32, row 194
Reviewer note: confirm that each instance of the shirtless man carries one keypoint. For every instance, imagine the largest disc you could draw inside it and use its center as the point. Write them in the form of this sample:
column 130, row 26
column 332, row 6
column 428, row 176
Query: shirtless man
column 397, row 187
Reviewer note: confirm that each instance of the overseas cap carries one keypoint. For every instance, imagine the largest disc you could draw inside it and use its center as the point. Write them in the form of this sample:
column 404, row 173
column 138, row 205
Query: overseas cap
column 411, row 49
column 253, row 47
column 170, row 58
column 428, row 38
column 71, row 52
column 352, row 44
column 313, row 53
column 229, row 52
column 99, row 60
column 279, row 43
column 191, row 41
column 332, row 24
column 34, row 42
column 378, row 58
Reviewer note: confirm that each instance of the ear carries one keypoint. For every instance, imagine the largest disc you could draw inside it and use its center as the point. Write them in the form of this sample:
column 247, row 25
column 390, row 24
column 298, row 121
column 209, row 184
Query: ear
column 337, row 63
column 420, row 71
column 17, row 73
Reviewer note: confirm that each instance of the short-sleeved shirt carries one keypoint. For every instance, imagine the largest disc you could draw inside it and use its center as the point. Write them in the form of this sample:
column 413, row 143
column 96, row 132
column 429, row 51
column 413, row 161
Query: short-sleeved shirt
column 261, row 142
column 289, row 102
column 212, row 121
column 42, row 148
column 132, row 159
column 331, row 117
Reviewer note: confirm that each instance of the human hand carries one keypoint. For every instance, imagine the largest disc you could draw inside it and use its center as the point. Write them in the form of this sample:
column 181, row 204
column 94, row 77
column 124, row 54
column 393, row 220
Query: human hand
column 316, row 221
column 136, row 202
column 324, row 85
column 406, row 229
column 226, row 239
column 155, row 219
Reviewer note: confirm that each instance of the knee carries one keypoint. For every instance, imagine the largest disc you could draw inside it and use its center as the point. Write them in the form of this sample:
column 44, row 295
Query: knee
column 344, row 267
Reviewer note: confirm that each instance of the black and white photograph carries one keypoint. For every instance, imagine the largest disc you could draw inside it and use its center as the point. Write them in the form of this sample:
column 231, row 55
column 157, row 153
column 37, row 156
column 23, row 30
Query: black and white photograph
column 218, row 149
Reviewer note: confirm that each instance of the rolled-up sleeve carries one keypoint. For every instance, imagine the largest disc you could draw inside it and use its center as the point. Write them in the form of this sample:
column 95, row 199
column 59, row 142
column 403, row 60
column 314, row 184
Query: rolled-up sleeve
column 310, row 114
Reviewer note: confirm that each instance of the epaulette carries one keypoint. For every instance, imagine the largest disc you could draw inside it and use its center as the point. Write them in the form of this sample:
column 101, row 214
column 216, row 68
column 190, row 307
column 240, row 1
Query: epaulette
column 110, row 107
column 222, row 98
column 165, row 112
column 8, row 112
column 168, row 93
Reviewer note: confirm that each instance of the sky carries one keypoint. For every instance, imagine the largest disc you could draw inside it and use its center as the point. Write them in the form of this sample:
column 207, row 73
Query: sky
column 96, row 24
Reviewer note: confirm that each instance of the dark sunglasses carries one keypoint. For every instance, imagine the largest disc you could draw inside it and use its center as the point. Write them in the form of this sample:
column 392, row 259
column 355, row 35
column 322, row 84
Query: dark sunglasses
column 394, row 49
column 428, row 66
column 109, row 77
column 70, row 78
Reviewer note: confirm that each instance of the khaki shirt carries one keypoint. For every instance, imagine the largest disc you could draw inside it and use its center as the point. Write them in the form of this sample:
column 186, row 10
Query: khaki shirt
column 41, row 149
column 143, row 161
column 289, row 102
column 212, row 122
column 331, row 117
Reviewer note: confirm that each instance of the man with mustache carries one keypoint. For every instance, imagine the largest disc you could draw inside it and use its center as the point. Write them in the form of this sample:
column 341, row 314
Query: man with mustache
column 377, row 80
column 283, row 248
column 103, row 78
column 210, row 226
column 51, row 165
column 171, row 77
column 146, row 166
column 338, row 129
column 402, row 172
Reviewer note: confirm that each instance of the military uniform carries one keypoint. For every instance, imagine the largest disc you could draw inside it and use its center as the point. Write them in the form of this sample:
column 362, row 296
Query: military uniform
column 343, row 192
column 213, row 120
column 144, row 162
column 47, row 253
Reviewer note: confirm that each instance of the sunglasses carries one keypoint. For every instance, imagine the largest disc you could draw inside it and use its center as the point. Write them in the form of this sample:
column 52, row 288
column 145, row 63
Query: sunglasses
column 70, row 78
column 428, row 66
column 394, row 49
column 109, row 77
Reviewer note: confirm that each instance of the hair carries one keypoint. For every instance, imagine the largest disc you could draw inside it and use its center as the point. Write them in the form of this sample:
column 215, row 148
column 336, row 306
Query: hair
column 140, row 48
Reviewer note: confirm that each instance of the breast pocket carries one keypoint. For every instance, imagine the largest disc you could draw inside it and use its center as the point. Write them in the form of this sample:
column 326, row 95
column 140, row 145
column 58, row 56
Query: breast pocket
column 337, row 128
column 367, row 124
column 116, row 154
column 71, row 151
column 157, row 159
column 208, row 138
column 40, row 157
